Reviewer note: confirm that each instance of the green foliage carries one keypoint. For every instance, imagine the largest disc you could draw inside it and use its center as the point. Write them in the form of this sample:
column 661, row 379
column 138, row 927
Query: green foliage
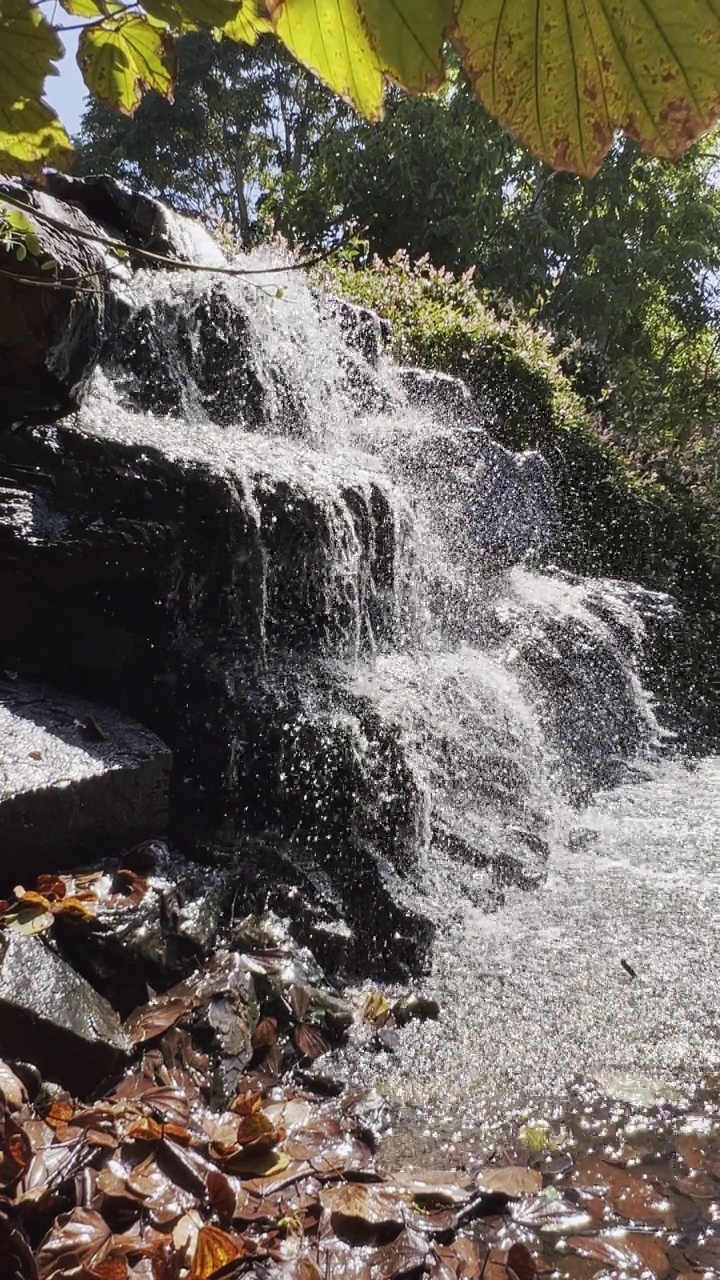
column 17, row 234
column 623, row 514
column 562, row 78
column 241, row 135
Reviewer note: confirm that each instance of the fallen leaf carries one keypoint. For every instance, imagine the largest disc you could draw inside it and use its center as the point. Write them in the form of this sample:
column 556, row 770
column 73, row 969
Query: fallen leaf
column 12, row 1088
column 363, row 1214
column 624, row 1251
column 513, row 1181
column 75, row 1238
column 154, row 1019
column 222, row 1197
column 521, row 1261
column 265, row 1033
column 213, row 1250
column 308, row 1042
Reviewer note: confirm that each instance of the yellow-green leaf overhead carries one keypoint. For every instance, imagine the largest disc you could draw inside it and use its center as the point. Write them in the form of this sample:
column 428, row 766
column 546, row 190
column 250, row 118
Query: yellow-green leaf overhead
column 408, row 38
column 92, row 8
column 31, row 136
column 211, row 13
column 250, row 22
column 30, row 133
column 121, row 59
column 28, row 48
column 331, row 38
column 564, row 75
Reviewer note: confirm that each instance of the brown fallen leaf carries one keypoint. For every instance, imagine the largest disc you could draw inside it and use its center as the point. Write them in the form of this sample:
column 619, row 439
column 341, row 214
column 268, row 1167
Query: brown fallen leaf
column 152, row 1020
column 626, row 1251
column 51, row 887
column 222, row 1197
column 309, row 1042
column 636, row 1199
column 75, row 1239
column 513, row 1181
column 12, row 1088
column 362, row 1213
column 213, row 1250
column 521, row 1262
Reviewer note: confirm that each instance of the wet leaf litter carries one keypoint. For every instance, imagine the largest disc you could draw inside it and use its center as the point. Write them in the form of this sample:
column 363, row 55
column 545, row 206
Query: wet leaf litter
column 220, row 1150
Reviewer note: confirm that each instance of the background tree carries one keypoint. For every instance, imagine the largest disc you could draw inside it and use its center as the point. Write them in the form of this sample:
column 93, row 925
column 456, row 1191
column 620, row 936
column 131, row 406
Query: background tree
column 245, row 125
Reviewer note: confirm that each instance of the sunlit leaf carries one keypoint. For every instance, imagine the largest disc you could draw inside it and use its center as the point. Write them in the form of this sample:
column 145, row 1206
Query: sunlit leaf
column 214, row 1249
column 513, row 1181
column 121, row 59
column 11, row 1087
column 331, row 38
column 92, row 8
column 74, row 1238
column 564, row 75
column 28, row 920
column 628, row 1252
column 30, row 134
column 249, row 22
column 408, row 39
column 359, row 1213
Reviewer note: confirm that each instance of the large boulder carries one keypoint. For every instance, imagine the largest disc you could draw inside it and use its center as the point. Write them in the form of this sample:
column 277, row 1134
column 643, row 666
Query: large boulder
column 53, row 1018
column 76, row 779
column 52, row 322
column 136, row 218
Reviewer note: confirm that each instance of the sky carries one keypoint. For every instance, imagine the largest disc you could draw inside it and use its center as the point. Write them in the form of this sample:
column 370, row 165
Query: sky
column 66, row 91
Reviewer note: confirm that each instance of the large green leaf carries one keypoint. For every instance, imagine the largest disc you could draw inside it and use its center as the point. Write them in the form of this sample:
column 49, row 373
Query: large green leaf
column 331, row 38
column 31, row 136
column 408, row 38
column 250, row 22
column 30, row 133
column 28, row 48
column 92, row 8
column 564, row 75
column 122, row 58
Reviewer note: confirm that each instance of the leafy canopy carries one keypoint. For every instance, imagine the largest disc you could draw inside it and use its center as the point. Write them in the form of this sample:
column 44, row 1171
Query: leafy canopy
column 561, row 75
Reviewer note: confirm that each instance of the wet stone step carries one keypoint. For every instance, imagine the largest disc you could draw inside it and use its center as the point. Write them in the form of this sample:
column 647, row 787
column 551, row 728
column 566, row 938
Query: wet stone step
column 76, row 780
column 53, row 1018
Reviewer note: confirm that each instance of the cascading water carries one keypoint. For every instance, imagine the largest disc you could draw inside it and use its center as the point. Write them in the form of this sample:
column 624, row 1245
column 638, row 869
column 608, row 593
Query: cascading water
column 385, row 691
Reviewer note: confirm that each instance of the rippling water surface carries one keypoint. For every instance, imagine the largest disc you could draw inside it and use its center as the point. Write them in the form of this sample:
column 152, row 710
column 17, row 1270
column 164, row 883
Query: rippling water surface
column 536, row 995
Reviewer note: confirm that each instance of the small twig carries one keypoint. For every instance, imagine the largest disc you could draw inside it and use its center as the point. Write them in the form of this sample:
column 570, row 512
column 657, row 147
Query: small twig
column 628, row 968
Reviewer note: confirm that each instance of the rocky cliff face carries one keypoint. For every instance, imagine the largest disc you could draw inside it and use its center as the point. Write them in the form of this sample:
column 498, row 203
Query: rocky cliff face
column 296, row 567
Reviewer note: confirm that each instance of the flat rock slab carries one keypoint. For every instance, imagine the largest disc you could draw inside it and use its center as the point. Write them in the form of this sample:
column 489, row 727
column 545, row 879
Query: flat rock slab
column 52, row 1017
column 76, row 780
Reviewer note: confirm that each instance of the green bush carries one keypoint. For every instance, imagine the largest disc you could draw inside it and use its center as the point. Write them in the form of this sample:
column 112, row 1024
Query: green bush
column 622, row 516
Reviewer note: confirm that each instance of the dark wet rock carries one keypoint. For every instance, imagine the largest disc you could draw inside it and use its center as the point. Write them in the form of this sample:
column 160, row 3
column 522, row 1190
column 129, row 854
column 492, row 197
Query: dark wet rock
column 364, row 331
column 492, row 507
column 50, row 338
column 77, row 778
column 413, row 1008
column 450, row 398
column 177, row 354
column 320, row 769
column 197, row 597
column 51, row 1017
column 173, row 556
column 156, row 917
column 141, row 220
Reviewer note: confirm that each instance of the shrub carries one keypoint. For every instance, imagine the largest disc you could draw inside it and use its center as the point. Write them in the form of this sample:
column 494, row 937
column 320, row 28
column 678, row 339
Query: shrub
column 622, row 516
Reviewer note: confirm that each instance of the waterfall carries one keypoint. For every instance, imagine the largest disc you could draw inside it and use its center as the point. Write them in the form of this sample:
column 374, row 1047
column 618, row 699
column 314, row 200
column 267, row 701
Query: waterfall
column 392, row 690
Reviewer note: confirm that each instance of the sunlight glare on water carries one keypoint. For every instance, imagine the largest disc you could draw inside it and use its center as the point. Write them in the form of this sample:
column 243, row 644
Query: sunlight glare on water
column 536, row 995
